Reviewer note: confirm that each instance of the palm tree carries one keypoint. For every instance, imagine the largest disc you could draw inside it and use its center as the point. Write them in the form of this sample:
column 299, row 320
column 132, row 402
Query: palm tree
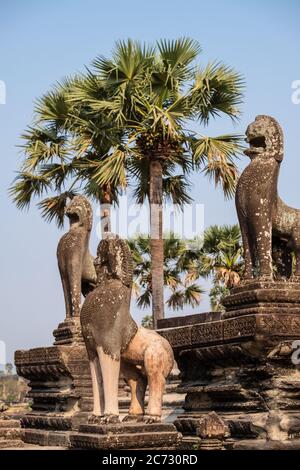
column 176, row 253
column 155, row 94
column 221, row 258
column 128, row 120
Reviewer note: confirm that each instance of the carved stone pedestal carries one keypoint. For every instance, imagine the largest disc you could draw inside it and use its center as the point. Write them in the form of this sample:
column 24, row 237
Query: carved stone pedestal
column 126, row 436
column 68, row 332
column 242, row 368
column 59, row 378
column 267, row 297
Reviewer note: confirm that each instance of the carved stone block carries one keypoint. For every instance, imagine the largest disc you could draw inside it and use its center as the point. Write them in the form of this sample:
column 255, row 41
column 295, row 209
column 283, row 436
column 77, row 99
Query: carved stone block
column 126, row 436
column 258, row 297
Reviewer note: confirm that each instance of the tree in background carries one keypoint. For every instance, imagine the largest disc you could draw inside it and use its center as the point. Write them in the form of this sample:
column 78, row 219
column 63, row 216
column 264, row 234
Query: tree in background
column 147, row 322
column 221, row 258
column 181, row 291
column 8, row 368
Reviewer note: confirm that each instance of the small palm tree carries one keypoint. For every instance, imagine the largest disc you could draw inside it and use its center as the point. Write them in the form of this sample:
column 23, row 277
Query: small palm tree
column 176, row 252
column 221, row 258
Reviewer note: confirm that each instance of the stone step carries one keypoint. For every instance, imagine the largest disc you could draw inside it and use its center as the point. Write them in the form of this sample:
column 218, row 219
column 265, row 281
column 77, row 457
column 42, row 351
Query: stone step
column 9, row 423
column 130, row 428
column 43, row 437
column 145, row 440
column 11, row 433
column 11, row 443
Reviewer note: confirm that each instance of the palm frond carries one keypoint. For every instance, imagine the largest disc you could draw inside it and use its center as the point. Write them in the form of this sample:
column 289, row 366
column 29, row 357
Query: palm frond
column 54, row 107
column 176, row 188
column 111, row 169
column 26, row 185
column 217, row 89
column 144, row 300
column 53, row 208
column 218, row 154
column 173, row 66
column 57, row 173
column 43, row 144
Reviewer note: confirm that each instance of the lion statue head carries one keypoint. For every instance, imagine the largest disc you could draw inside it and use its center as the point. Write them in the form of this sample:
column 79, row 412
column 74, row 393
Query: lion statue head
column 114, row 260
column 265, row 139
column 79, row 212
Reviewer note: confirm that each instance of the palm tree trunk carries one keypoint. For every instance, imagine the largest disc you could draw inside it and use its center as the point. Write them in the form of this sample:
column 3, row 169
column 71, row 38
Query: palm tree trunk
column 156, row 240
column 105, row 213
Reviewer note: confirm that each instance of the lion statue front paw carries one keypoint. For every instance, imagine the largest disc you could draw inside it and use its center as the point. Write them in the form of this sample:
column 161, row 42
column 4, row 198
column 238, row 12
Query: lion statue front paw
column 150, row 419
column 130, row 418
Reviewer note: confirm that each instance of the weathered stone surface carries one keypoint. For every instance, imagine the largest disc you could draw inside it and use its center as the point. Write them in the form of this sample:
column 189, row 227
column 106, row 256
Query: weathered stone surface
column 43, row 438
column 263, row 298
column 68, row 332
column 11, row 443
column 248, row 373
column 129, row 436
column 11, row 434
column 60, row 389
column 9, row 423
column 188, row 319
column 212, row 426
column 126, row 428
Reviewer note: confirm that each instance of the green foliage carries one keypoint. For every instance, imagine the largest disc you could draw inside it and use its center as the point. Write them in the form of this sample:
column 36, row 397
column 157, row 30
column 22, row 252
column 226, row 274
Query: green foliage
column 217, row 293
column 221, row 258
column 176, row 280
column 147, row 322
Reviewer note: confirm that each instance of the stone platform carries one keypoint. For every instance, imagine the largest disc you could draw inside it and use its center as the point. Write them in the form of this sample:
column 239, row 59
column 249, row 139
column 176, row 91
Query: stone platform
column 60, row 386
column 243, row 369
column 263, row 297
column 126, row 436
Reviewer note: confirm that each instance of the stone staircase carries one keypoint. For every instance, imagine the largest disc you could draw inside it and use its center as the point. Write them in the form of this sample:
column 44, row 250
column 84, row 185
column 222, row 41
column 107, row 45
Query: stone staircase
column 10, row 433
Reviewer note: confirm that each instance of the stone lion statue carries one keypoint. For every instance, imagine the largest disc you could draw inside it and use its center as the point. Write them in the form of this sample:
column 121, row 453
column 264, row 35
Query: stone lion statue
column 267, row 224
column 76, row 264
column 115, row 343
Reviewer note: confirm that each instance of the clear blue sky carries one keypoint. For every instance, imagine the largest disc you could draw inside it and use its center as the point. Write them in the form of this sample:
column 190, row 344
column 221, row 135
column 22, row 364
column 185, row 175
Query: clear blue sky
column 42, row 41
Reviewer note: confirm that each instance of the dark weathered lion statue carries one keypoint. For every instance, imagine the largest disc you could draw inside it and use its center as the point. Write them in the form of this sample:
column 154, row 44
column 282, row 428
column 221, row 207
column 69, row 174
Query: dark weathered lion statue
column 76, row 264
column 115, row 344
column 267, row 224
